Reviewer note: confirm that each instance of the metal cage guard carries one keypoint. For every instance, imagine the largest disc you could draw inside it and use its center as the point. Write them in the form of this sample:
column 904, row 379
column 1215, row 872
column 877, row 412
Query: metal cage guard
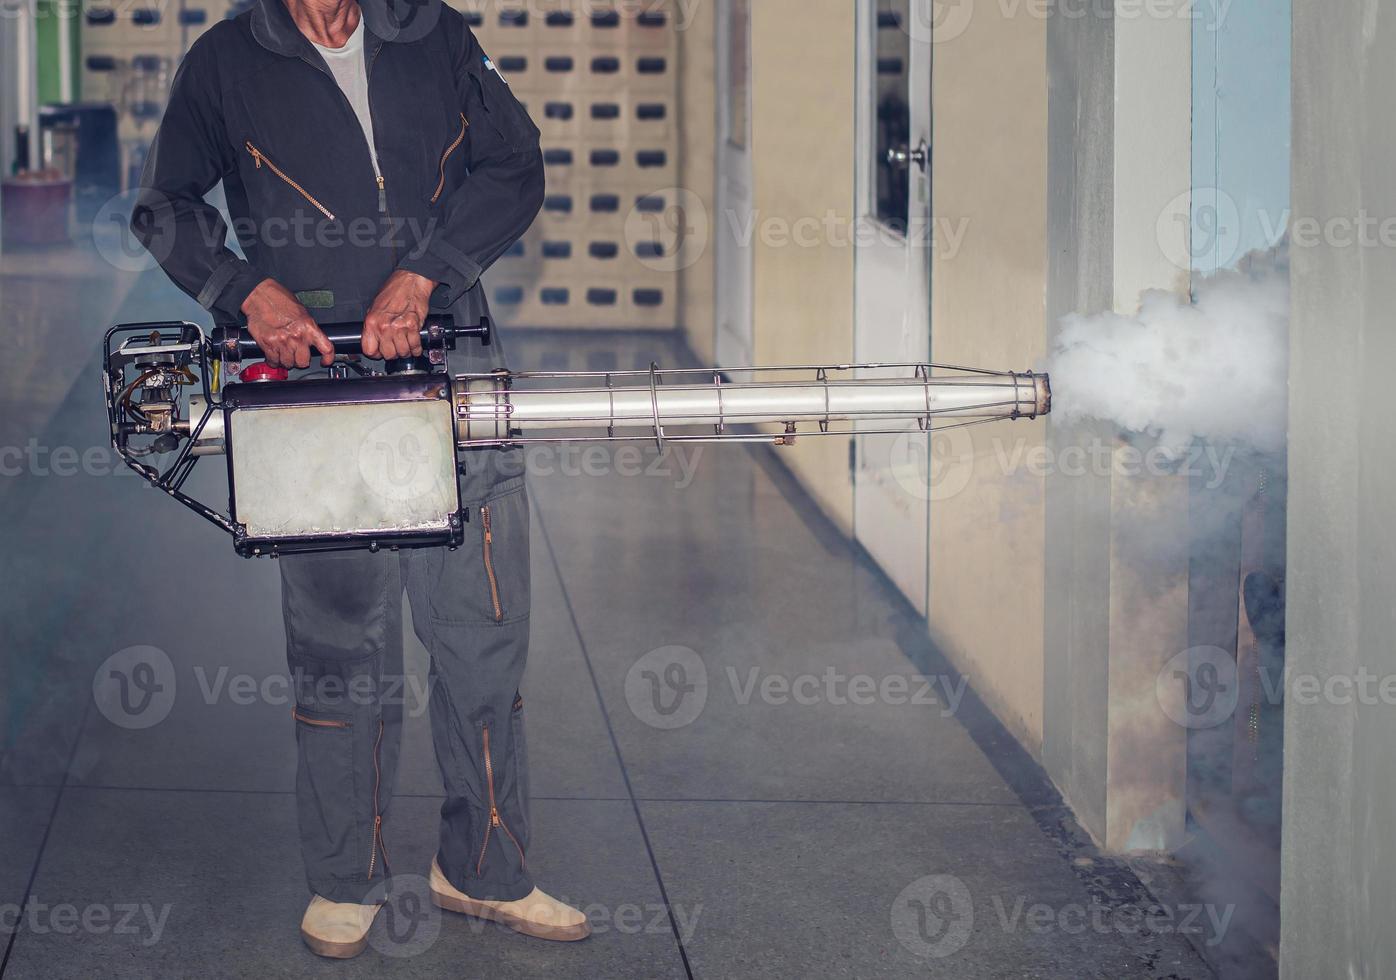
column 492, row 410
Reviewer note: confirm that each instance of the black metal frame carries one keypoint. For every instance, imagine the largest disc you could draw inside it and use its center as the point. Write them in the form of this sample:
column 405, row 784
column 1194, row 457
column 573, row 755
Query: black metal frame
column 188, row 344
column 172, row 480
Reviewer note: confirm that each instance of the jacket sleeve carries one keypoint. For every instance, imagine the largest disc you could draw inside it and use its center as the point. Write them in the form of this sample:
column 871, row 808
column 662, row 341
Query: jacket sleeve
column 503, row 191
column 189, row 156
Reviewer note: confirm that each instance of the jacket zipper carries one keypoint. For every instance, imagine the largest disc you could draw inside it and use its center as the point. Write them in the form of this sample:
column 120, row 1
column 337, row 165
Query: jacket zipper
column 495, row 820
column 377, row 172
column 262, row 158
column 378, row 842
column 460, row 138
column 489, row 562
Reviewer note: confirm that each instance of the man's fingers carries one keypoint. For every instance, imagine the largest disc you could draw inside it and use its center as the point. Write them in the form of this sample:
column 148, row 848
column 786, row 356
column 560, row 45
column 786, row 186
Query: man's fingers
column 271, row 351
column 283, row 328
column 392, row 336
column 387, row 345
column 370, row 344
column 408, row 330
column 322, row 343
column 302, row 338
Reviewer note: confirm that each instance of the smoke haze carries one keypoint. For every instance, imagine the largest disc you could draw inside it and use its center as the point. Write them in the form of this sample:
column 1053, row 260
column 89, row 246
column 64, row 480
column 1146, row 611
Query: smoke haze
column 1215, row 368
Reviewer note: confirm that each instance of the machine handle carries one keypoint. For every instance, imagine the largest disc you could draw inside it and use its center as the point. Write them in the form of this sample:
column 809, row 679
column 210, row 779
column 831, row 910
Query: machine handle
column 438, row 330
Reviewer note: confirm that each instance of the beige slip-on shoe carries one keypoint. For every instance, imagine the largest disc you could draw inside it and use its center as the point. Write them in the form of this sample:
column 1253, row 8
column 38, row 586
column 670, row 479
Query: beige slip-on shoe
column 537, row 914
column 337, row 930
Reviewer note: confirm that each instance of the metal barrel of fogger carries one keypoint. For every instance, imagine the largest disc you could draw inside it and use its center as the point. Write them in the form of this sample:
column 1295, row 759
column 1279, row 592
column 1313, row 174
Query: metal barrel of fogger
column 490, row 410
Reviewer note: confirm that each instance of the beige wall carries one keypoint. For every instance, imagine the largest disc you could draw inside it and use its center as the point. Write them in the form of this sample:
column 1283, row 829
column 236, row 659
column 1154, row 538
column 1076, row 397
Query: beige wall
column 802, row 168
column 988, row 299
column 802, row 142
column 697, row 169
column 988, row 543
column 989, row 97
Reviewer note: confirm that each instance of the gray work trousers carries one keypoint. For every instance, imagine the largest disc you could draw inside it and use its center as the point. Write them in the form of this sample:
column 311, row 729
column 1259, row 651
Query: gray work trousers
column 344, row 638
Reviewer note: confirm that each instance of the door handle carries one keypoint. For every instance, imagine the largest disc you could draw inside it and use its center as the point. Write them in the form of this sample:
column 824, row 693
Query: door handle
column 903, row 157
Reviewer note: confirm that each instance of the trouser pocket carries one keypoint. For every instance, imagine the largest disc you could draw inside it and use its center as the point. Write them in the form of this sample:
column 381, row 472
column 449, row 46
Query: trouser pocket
column 341, row 793
column 333, row 837
column 344, row 650
column 504, row 555
column 486, row 581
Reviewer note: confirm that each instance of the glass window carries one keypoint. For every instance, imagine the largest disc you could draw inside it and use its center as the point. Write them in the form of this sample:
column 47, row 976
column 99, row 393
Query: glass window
column 892, row 68
column 739, row 72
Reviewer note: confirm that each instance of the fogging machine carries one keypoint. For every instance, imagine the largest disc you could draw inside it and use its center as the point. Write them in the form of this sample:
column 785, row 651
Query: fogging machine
column 361, row 457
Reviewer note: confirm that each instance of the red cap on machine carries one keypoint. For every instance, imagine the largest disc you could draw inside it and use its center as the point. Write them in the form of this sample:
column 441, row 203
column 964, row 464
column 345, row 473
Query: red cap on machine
column 262, row 371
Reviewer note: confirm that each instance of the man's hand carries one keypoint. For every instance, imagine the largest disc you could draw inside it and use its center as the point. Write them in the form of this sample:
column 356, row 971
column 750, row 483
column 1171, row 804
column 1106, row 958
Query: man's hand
column 282, row 327
column 393, row 327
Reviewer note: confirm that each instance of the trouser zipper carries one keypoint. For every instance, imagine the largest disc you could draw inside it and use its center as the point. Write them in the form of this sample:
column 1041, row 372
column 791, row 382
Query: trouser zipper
column 495, row 820
column 317, row 722
column 378, row 843
column 261, row 158
column 489, row 562
column 460, row 138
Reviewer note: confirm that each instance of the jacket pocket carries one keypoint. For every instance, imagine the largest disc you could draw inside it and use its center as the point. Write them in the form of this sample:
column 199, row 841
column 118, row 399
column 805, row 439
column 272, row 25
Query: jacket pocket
column 455, row 145
column 261, row 158
column 504, row 112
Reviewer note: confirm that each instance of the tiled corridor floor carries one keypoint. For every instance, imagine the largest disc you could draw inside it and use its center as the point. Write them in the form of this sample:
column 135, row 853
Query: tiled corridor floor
column 792, row 828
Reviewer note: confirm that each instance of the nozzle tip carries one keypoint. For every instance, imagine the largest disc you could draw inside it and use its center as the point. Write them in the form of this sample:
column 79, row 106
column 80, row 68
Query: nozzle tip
column 1043, row 383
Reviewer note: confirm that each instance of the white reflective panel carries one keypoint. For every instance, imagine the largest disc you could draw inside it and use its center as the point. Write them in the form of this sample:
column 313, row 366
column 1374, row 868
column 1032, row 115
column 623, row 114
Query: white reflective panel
column 315, row 470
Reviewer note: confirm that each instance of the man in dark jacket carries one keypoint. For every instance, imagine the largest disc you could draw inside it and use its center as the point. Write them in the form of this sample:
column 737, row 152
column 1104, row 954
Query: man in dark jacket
column 373, row 168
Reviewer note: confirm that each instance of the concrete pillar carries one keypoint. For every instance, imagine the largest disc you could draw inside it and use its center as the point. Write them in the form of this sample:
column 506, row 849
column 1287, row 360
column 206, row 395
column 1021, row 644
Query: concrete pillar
column 1146, row 762
column 699, row 86
column 1338, row 856
column 1119, row 189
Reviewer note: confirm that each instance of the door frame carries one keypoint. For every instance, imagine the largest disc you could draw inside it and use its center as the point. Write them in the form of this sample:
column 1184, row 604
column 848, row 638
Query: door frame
column 893, row 487
column 734, row 339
